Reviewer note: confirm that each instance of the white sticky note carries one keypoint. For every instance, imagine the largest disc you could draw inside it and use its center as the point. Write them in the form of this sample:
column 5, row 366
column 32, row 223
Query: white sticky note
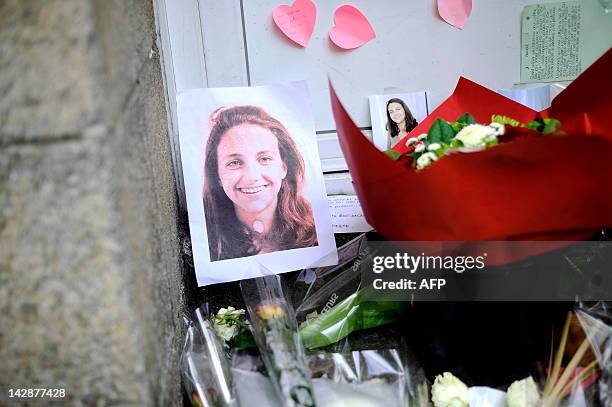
column 347, row 215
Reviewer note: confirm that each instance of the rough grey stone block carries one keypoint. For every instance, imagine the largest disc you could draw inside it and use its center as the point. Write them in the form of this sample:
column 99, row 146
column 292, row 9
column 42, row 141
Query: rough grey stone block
column 65, row 295
column 126, row 33
column 48, row 69
column 148, row 204
column 91, row 284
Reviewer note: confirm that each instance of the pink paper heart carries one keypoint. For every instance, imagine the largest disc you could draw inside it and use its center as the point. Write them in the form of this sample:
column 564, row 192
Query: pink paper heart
column 296, row 21
column 455, row 12
column 351, row 28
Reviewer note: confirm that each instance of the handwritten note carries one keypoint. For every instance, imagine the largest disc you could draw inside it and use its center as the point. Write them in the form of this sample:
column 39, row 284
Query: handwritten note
column 347, row 215
column 297, row 21
column 560, row 40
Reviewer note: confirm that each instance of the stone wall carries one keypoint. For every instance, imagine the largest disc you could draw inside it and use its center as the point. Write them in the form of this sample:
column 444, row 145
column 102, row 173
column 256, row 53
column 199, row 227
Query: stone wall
column 91, row 291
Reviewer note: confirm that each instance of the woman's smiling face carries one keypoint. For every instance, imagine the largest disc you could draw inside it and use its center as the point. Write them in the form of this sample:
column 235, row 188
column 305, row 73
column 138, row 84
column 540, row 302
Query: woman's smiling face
column 250, row 167
column 396, row 112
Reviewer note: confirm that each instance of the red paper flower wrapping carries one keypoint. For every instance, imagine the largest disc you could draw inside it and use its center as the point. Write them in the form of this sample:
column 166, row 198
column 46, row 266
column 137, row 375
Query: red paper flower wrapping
column 532, row 188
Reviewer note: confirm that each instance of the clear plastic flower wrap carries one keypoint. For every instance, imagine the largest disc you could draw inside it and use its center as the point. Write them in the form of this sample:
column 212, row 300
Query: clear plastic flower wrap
column 312, row 285
column 330, row 301
column 577, row 373
column 205, row 368
column 596, row 321
column 369, row 378
column 278, row 339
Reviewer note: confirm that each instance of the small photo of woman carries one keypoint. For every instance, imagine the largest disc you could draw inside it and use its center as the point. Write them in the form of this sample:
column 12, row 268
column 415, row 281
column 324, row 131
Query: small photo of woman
column 254, row 186
column 394, row 116
column 399, row 121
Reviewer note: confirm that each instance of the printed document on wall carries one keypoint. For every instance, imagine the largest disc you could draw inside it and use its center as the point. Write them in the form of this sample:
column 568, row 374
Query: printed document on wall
column 561, row 40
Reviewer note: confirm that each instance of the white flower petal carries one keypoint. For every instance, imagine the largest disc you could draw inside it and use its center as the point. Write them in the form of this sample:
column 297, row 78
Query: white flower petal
column 411, row 141
column 498, row 128
column 523, row 393
column 423, row 161
column 449, row 391
column 473, row 135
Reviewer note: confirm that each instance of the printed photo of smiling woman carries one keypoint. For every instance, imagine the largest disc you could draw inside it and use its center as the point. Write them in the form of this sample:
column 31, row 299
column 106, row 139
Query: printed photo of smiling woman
column 395, row 115
column 254, row 188
column 400, row 121
column 252, row 191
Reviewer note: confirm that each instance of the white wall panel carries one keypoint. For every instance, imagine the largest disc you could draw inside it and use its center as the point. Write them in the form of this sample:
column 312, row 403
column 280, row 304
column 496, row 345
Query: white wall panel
column 235, row 43
column 414, row 50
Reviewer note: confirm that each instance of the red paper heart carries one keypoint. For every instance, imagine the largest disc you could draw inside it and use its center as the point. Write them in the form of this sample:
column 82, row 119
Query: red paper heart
column 296, row 21
column 351, row 28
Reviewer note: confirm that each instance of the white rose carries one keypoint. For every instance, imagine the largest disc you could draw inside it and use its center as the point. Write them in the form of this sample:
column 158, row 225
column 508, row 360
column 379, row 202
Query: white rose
column 422, row 136
column 223, row 324
column 225, row 332
column 434, row 147
column 448, row 391
column 411, row 141
column 474, row 135
column 230, row 312
column 498, row 128
column 419, row 148
column 523, row 393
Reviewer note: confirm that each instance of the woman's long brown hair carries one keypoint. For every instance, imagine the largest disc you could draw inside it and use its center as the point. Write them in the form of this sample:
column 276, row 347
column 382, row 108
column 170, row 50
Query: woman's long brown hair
column 293, row 226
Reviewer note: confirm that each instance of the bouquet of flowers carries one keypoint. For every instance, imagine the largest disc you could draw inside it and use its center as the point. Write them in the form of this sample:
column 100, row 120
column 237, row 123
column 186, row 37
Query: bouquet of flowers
column 276, row 334
column 278, row 371
column 530, row 188
column 465, row 135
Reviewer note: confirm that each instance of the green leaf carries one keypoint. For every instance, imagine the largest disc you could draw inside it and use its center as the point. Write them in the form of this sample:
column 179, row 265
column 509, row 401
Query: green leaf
column 243, row 340
column 442, row 150
column 550, row 126
column 457, row 127
column 497, row 118
column 492, row 143
column 545, row 126
column 537, row 125
column 394, row 155
column 466, row 119
column 440, row 132
column 349, row 315
column 456, row 143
